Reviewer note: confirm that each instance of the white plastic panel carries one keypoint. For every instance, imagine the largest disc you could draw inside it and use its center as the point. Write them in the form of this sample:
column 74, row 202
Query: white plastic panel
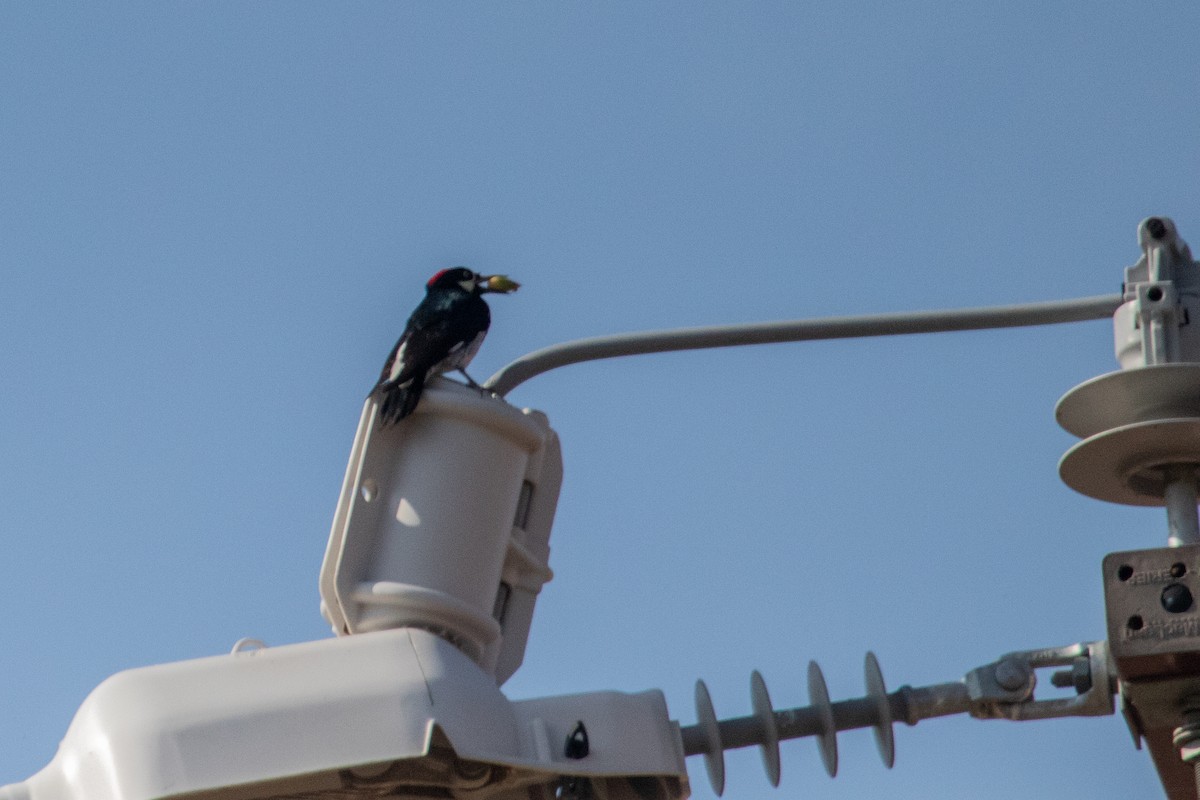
column 345, row 717
column 253, row 716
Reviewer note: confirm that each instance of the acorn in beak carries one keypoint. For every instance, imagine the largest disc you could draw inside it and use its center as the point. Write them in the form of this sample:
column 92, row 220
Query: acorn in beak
column 498, row 283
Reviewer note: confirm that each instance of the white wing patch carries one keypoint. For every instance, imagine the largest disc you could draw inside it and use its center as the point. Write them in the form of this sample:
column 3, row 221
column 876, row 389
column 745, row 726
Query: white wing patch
column 397, row 363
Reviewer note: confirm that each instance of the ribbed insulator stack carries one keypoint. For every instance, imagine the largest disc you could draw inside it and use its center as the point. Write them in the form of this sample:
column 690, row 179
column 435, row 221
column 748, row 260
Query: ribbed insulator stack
column 822, row 718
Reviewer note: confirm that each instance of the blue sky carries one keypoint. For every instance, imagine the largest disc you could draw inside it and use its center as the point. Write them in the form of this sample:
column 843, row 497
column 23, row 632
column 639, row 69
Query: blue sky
column 215, row 218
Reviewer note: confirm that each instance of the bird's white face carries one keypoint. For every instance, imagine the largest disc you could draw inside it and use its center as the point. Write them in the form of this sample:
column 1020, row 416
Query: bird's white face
column 469, row 284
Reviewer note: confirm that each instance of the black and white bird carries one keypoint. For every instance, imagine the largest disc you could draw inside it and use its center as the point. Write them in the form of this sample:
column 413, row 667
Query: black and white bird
column 442, row 335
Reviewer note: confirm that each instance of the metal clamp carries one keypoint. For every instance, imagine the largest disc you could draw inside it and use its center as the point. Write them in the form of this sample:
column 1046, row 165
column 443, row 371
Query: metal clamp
column 1005, row 688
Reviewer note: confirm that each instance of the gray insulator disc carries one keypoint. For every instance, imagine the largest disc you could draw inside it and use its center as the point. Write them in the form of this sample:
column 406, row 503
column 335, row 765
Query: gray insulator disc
column 1128, row 465
column 877, row 691
column 1141, row 394
column 818, row 698
column 714, row 753
column 764, row 712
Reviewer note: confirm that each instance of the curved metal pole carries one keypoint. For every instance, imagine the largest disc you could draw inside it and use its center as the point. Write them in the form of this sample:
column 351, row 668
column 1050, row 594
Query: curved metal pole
column 963, row 319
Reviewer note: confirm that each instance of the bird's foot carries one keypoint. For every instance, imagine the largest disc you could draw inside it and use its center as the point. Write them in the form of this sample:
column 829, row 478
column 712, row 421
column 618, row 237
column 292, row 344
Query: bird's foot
column 483, row 392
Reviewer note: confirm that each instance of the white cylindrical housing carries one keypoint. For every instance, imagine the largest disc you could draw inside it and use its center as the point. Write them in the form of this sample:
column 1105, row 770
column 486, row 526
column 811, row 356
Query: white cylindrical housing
column 432, row 512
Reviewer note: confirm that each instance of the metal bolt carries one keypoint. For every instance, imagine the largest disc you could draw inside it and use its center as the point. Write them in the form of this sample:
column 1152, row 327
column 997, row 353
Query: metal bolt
column 1078, row 677
column 1011, row 674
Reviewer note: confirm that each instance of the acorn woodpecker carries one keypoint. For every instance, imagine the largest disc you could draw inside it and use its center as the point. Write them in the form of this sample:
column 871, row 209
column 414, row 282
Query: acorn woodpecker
column 442, row 335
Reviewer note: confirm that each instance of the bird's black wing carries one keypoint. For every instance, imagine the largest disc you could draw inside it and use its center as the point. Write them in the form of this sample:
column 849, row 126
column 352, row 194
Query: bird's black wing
column 439, row 327
column 419, row 349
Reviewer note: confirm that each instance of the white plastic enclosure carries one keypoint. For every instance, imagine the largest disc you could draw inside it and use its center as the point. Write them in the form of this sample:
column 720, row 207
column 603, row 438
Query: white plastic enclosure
column 444, row 524
column 399, row 712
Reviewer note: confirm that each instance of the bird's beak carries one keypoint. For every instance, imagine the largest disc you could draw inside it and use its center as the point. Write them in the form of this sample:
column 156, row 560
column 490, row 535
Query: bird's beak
column 498, row 283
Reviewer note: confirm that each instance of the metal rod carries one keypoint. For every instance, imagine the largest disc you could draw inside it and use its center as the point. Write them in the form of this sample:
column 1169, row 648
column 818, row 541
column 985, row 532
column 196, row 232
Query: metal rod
column 907, row 703
column 1183, row 523
column 963, row 319
column 927, row 702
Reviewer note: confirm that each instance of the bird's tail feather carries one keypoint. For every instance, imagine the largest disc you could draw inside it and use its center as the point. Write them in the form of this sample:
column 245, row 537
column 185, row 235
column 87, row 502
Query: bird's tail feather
column 397, row 402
